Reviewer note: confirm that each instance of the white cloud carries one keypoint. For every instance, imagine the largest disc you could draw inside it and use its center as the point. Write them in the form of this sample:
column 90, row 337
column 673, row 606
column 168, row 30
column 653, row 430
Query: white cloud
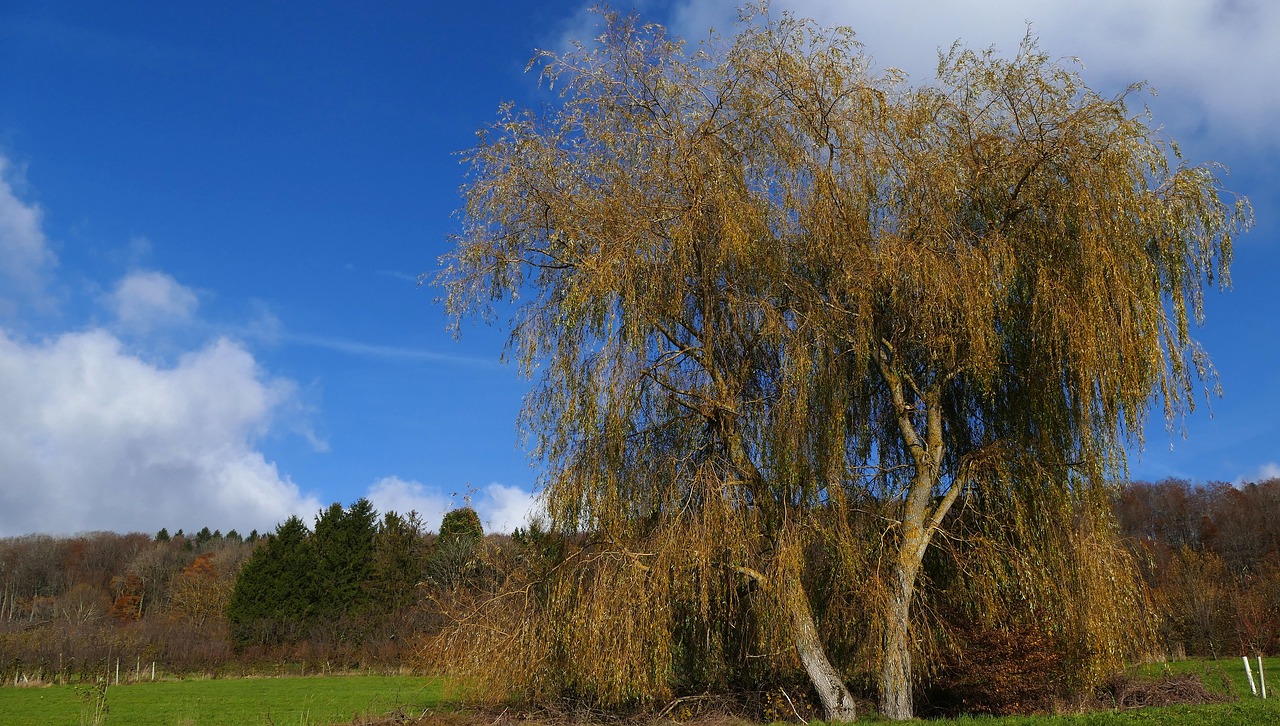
column 395, row 494
column 96, row 438
column 25, row 257
column 1268, row 471
column 501, row 508
column 1211, row 60
column 147, row 299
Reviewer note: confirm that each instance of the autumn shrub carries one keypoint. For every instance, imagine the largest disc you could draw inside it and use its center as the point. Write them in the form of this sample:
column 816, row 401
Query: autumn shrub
column 185, row 646
column 999, row 672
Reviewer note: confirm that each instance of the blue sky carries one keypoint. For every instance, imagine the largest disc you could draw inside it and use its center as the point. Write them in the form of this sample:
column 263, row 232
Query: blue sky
column 212, row 223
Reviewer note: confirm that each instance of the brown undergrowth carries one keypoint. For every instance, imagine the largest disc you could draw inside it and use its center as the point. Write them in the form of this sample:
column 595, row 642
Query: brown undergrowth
column 1170, row 690
column 779, row 705
column 743, row 708
column 542, row 717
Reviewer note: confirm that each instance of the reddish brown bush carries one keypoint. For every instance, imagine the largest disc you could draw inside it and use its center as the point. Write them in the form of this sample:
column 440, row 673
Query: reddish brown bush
column 1000, row 673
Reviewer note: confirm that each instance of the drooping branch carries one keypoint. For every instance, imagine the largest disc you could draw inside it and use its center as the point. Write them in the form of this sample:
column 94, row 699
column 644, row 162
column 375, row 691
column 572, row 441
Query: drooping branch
column 752, row 231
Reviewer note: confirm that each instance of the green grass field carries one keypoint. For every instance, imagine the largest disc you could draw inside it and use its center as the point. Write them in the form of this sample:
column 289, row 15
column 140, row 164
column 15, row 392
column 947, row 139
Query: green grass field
column 1211, row 672
column 321, row 701
column 230, row 702
column 1244, row 711
column 1249, row 709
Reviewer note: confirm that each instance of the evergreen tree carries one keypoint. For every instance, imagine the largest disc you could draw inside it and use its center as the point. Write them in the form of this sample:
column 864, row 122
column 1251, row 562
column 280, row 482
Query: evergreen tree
column 344, row 550
column 398, row 560
column 276, row 594
column 453, row 557
column 461, row 524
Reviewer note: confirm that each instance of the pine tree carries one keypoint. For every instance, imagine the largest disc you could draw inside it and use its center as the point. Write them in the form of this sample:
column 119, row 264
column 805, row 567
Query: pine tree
column 344, row 550
column 276, row 594
column 398, row 560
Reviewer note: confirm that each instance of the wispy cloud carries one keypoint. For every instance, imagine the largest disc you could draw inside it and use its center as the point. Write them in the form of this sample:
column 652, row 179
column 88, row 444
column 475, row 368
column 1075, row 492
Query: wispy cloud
column 389, row 352
column 84, row 42
column 25, row 256
column 397, row 275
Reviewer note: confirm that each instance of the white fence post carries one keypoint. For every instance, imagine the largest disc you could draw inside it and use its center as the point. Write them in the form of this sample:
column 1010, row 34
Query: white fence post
column 1253, row 688
column 1262, row 678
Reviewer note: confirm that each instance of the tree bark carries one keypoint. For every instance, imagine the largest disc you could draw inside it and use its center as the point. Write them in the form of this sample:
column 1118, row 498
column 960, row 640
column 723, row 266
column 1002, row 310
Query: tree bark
column 895, row 670
column 837, row 704
column 926, row 447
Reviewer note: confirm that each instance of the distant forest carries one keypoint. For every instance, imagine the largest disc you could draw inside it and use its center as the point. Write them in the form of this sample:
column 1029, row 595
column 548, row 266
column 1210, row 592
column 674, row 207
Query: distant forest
column 361, row 590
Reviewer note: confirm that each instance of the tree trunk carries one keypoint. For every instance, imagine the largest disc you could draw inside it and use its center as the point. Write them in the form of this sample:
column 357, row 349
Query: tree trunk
column 827, row 681
column 918, row 525
column 895, row 669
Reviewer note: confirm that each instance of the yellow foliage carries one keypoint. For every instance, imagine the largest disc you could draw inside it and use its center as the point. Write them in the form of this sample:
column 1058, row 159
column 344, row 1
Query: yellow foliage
column 785, row 312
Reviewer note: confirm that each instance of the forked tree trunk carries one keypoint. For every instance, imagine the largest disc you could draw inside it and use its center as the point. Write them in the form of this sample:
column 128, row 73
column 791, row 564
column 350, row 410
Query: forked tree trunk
column 837, row 704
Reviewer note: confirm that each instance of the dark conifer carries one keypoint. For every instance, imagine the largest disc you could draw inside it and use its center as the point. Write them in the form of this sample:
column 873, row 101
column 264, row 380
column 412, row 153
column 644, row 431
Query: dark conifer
column 398, row 560
column 277, row 592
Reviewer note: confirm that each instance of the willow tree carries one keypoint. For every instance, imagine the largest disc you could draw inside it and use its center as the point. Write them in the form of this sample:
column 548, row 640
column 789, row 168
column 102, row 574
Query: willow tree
column 765, row 288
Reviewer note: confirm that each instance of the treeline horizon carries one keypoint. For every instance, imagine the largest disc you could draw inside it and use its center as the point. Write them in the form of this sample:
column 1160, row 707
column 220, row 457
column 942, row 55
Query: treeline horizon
column 349, row 592
column 360, row 590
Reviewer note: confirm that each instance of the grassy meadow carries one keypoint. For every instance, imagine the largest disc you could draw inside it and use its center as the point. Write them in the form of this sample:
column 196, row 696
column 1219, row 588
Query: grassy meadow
column 1213, row 672
column 326, row 700
column 295, row 701
column 1219, row 676
column 1244, row 711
